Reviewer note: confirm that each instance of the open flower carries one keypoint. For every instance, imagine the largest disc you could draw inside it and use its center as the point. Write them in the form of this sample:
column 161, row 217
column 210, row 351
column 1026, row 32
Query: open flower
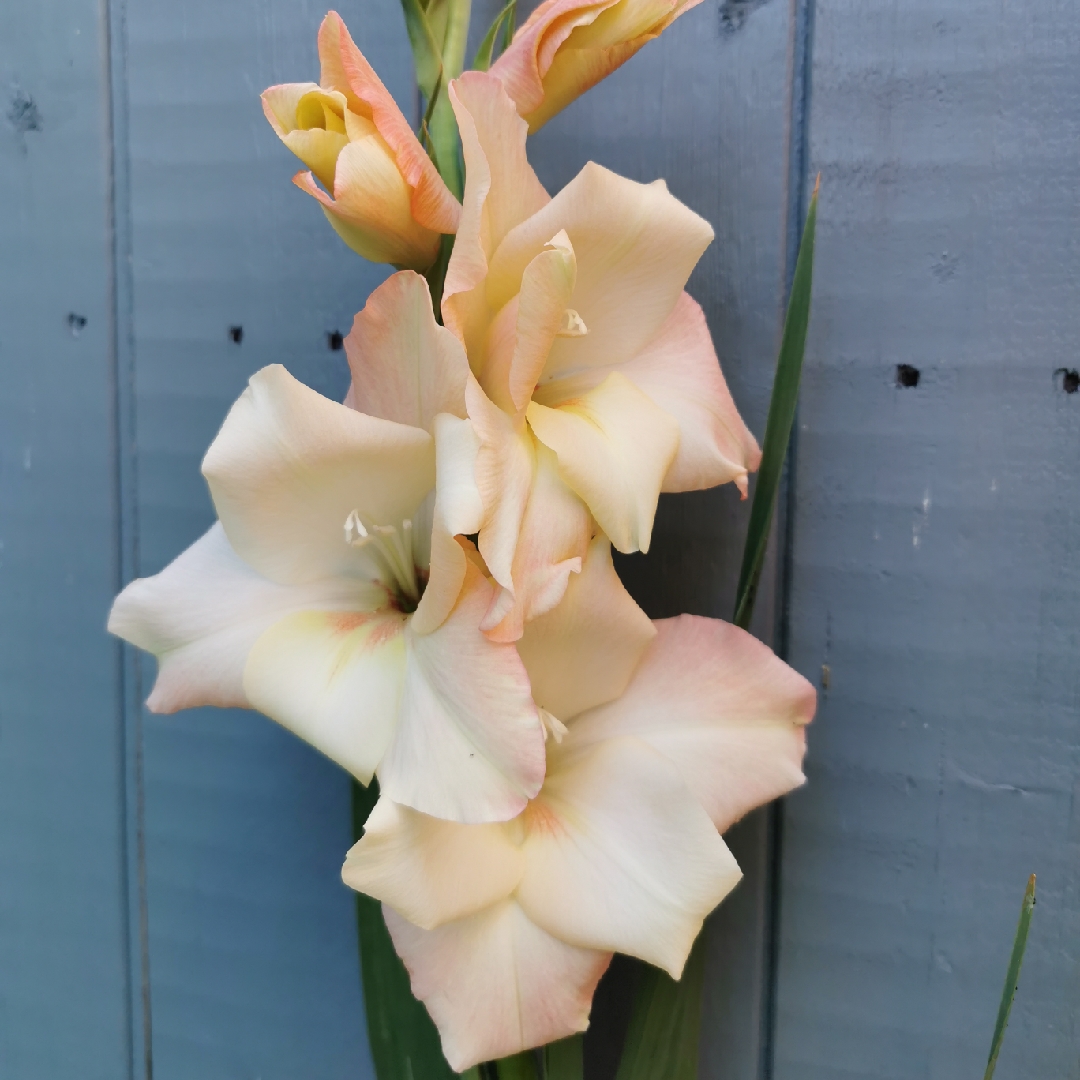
column 672, row 734
column 328, row 597
column 566, row 46
column 386, row 199
column 596, row 384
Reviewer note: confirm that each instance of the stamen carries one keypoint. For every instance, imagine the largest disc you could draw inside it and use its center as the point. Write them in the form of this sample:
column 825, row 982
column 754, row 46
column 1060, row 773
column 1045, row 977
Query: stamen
column 573, row 325
column 552, row 725
column 390, row 548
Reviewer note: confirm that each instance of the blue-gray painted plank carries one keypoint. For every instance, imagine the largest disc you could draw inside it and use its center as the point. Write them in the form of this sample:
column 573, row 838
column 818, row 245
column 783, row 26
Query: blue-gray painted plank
column 64, row 992
column 935, row 548
column 253, row 956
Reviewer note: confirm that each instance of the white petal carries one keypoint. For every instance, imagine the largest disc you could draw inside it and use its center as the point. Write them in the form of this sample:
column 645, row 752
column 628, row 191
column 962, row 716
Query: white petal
column 496, row 984
column 619, row 854
column 431, row 871
column 289, row 465
column 614, row 447
column 470, row 745
column 202, row 614
column 405, row 367
column 335, row 680
column 720, row 705
column 584, row 651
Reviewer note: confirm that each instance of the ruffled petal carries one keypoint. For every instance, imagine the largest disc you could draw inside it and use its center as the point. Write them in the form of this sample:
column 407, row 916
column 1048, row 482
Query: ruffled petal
column 335, row 679
column 405, row 366
column 203, row 613
column 679, row 370
column 583, row 652
column 458, row 509
column 501, row 190
column 505, row 463
column 635, row 245
column 540, row 313
column 620, row 856
column 428, row 870
column 614, row 447
column 721, row 706
column 551, row 541
column 345, row 69
column 496, row 984
column 470, row 745
column 289, row 466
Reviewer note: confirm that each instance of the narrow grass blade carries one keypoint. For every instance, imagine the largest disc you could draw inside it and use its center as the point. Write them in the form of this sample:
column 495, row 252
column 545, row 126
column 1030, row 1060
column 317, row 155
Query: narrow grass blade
column 404, row 1042
column 1012, row 976
column 485, row 53
column 510, row 27
column 665, row 1027
column 785, row 394
column 564, row 1060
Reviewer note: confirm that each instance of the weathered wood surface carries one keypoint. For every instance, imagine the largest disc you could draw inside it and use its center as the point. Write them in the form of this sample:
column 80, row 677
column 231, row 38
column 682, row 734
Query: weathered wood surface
column 935, row 555
column 64, row 993
column 169, row 888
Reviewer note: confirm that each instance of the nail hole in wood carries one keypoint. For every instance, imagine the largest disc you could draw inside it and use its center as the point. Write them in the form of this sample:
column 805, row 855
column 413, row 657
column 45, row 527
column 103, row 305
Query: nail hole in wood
column 906, row 375
column 76, row 323
column 1070, row 379
column 236, row 334
column 335, row 341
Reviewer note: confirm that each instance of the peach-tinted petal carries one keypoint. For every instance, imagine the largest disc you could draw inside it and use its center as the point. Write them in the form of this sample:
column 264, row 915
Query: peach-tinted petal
column 370, row 209
column 634, row 244
column 501, row 190
column 567, row 46
column 405, row 366
column 203, row 613
column 679, row 370
column 345, row 69
column 619, row 854
column 288, row 467
column 584, row 651
column 335, row 679
column 614, row 447
column 495, row 983
column 428, row 870
column 469, row 746
column 720, row 705
column 521, row 69
column 551, row 541
column 504, row 471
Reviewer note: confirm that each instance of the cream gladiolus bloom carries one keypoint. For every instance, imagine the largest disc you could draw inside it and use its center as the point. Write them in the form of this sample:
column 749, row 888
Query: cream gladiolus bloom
column 331, row 594
column 596, row 384
column 567, row 46
column 673, row 731
column 386, row 199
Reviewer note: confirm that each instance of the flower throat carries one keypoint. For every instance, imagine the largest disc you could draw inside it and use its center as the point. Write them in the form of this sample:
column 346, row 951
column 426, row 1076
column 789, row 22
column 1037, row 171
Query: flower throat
column 390, row 548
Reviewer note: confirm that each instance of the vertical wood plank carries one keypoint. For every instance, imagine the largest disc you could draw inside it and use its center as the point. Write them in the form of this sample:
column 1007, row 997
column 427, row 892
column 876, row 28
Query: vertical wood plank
column 253, row 953
column 935, row 571
column 64, row 992
column 706, row 107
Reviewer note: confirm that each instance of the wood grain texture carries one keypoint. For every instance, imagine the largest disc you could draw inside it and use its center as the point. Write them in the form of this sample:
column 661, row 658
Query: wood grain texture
column 64, row 1001
column 935, row 570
